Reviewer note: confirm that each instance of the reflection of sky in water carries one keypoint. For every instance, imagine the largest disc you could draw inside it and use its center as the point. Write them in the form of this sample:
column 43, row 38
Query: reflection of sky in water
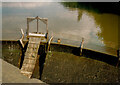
column 61, row 22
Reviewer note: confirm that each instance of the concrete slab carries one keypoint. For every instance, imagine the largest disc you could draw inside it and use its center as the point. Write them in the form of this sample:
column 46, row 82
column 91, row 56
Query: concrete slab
column 11, row 74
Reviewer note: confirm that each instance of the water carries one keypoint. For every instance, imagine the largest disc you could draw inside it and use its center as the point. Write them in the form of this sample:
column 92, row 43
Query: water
column 100, row 31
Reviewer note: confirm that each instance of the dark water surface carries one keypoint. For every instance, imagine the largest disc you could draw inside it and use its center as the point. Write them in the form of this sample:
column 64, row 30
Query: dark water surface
column 100, row 30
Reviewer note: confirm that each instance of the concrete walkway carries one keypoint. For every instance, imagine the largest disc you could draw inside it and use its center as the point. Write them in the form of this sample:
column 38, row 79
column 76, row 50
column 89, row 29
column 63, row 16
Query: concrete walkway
column 11, row 74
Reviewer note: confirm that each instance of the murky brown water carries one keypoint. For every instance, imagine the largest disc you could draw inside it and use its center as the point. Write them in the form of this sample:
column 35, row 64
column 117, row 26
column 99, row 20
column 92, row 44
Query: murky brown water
column 69, row 24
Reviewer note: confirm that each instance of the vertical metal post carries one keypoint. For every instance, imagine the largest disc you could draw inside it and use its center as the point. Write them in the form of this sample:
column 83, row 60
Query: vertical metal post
column 37, row 24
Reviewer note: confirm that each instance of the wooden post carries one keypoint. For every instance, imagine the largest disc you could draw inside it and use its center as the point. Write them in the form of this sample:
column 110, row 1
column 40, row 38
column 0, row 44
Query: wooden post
column 81, row 46
column 37, row 24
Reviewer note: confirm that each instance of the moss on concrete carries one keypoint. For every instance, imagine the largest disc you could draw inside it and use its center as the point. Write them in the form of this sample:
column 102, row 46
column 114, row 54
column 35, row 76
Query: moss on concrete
column 63, row 67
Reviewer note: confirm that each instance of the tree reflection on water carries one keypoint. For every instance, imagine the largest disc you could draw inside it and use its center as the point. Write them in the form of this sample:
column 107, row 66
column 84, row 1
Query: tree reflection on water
column 106, row 20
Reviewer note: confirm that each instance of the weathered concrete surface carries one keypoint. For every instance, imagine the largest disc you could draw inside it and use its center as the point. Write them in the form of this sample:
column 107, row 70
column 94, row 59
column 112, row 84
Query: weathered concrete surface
column 61, row 67
column 11, row 74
